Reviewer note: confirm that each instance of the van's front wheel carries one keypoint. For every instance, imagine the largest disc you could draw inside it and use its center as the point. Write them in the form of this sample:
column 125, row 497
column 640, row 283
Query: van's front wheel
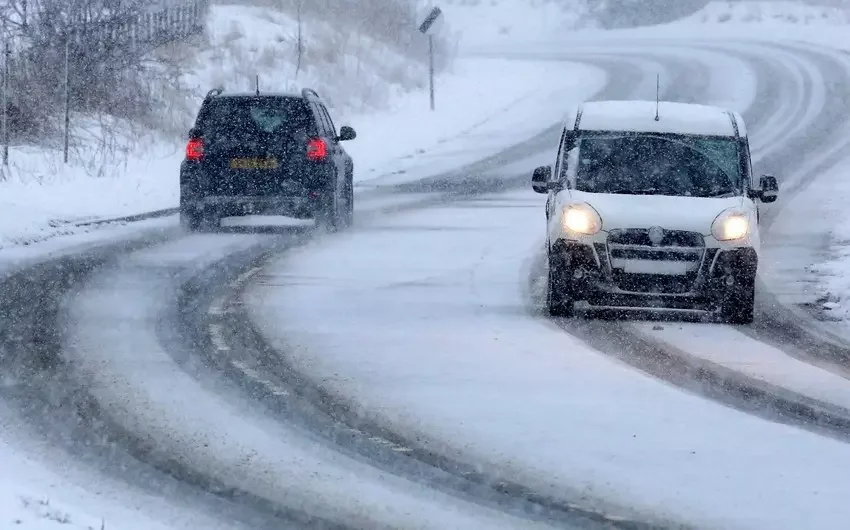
column 559, row 299
column 739, row 305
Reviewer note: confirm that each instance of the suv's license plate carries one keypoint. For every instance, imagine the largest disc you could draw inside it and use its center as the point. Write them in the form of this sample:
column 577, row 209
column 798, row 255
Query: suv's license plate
column 253, row 163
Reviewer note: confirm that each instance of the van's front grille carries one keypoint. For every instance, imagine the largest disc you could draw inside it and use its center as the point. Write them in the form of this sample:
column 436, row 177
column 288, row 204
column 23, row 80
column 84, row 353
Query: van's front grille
column 669, row 238
column 655, row 260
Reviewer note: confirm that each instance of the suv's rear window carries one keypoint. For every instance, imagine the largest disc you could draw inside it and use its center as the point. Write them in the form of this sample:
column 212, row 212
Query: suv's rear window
column 255, row 115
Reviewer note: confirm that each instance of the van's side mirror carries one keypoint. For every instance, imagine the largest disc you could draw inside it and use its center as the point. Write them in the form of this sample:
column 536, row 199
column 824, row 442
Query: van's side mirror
column 346, row 133
column 540, row 179
column 769, row 188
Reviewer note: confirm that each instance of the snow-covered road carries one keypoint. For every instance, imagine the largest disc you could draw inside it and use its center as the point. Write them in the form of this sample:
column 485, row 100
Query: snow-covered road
column 431, row 335
column 422, row 325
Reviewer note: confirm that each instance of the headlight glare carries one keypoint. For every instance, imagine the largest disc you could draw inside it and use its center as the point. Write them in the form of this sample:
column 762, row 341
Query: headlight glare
column 581, row 218
column 731, row 225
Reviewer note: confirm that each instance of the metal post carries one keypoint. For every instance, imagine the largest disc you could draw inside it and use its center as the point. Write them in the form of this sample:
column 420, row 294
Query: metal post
column 7, row 54
column 299, row 5
column 431, row 67
column 67, row 97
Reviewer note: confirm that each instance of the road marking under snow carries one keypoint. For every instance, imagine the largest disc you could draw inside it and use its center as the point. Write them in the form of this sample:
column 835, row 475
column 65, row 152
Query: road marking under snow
column 271, row 386
column 242, row 278
column 219, row 307
column 218, row 338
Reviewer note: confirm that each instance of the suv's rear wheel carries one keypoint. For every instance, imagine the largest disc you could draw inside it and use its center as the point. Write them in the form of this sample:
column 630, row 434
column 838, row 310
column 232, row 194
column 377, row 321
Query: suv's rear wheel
column 738, row 308
column 328, row 216
column 348, row 213
column 559, row 298
column 198, row 221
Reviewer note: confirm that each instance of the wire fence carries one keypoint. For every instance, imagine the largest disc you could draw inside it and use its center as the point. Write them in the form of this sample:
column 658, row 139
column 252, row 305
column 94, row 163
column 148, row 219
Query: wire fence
column 82, row 59
column 147, row 30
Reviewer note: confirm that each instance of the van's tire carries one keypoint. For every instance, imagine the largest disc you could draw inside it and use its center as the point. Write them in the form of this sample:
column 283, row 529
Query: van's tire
column 739, row 305
column 559, row 299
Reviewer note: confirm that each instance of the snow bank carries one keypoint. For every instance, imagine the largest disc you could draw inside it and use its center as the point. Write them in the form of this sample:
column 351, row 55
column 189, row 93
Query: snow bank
column 761, row 12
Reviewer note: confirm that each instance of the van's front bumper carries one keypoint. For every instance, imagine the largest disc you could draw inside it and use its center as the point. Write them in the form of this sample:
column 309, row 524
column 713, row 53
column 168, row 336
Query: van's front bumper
column 701, row 283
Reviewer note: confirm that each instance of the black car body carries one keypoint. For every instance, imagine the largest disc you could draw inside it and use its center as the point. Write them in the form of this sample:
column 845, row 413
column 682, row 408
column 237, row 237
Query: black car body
column 266, row 154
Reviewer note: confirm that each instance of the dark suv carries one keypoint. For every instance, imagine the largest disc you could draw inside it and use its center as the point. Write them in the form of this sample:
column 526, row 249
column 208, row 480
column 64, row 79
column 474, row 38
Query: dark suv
column 266, row 154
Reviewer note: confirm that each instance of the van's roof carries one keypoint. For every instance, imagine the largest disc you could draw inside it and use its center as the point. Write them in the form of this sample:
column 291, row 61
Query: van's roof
column 675, row 118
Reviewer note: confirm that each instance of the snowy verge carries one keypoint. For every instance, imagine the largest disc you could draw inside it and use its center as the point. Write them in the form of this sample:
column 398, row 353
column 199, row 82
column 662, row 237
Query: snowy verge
column 446, row 352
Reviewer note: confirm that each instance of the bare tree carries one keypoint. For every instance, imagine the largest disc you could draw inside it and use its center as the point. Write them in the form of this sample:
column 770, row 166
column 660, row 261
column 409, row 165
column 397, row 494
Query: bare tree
column 107, row 44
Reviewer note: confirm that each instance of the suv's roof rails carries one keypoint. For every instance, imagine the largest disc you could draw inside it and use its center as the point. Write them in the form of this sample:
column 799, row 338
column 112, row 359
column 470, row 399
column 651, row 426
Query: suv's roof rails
column 214, row 92
column 307, row 93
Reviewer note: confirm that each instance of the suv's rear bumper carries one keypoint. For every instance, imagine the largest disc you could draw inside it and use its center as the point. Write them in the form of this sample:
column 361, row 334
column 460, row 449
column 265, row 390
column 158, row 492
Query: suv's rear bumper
column 602, row 287
column 299, row 207
column 211, row 193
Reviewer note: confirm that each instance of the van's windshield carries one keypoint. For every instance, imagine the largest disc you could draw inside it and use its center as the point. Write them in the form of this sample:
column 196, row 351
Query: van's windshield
column 658, row 165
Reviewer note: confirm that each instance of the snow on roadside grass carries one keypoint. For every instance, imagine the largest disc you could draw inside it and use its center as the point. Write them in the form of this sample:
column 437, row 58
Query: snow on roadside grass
column 431, row 334
column 44, row 198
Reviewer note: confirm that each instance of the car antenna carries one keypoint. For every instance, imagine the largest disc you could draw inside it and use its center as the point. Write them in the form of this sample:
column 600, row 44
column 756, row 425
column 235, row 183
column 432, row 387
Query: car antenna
column 258, row 84
column 657, row 97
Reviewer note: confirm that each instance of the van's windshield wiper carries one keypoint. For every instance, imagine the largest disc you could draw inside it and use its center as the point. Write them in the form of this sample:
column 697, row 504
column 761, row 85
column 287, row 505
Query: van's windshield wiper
column 630, row 191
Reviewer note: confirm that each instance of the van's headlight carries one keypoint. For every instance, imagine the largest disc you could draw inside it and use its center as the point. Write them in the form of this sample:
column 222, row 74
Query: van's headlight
column 730, row 225
column 581, row 218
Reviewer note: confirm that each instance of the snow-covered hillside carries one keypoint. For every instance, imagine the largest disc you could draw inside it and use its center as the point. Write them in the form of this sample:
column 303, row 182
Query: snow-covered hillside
column 756, row 12
column 481, row 21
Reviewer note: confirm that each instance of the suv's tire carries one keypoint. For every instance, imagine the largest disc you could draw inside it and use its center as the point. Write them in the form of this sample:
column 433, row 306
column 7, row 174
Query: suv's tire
column 738, row 307
column 328, row 218
column 348, row 213
column 195, row 221
column 190, row 221
column 559, row 300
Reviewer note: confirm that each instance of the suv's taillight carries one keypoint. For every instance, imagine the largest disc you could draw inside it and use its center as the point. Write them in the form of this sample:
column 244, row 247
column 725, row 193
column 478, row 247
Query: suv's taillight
column 195, row 150
column 317, row 149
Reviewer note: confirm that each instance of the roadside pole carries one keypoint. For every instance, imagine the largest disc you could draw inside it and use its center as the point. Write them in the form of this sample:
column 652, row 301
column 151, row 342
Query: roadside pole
column 67, row 98
column 7, row 54
column 431, row 67
column 428, row 27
